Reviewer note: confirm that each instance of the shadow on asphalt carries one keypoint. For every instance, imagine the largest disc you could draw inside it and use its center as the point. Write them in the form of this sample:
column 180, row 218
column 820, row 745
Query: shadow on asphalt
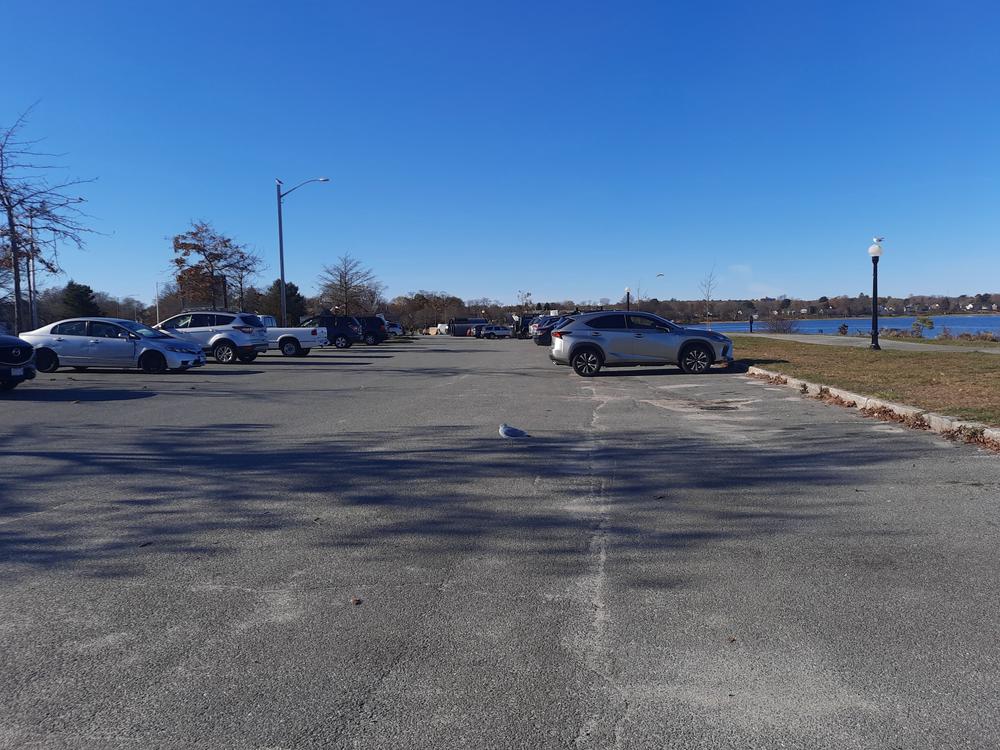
column 620, row 372
column 315, row 360
column 72, row 395
column 670, row 497
column 738, row 367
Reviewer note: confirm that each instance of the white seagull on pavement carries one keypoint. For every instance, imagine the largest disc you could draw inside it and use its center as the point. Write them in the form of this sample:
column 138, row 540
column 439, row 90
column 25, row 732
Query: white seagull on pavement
column 512, row 432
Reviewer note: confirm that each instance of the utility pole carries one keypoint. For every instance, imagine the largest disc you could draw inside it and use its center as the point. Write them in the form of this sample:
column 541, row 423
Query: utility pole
column 281, row 256
column 281, row 240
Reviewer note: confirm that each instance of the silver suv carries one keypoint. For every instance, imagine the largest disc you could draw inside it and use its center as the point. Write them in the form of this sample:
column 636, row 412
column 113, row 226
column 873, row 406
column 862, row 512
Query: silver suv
column 228, row 336
column 590, row 341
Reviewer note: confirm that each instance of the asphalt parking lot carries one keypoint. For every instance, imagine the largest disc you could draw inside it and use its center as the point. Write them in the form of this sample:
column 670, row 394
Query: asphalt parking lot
column 341, row 551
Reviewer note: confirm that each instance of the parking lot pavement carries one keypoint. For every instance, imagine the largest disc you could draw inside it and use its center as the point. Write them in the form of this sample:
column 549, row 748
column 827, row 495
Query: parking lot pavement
column 341, row 551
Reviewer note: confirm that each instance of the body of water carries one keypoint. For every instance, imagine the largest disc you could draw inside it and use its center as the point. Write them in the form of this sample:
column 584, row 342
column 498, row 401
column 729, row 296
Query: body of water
column 955, row 324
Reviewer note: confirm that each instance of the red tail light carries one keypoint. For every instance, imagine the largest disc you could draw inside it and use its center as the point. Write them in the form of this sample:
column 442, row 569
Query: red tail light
column 557, row 334
column 312, row 332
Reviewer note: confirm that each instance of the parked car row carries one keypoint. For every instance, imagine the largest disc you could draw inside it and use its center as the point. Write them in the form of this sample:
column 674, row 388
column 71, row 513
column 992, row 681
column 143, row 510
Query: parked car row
column 588, row 342
column 178, row 343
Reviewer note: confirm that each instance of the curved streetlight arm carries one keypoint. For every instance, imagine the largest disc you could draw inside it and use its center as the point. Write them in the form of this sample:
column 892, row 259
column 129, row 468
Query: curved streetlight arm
column 306, row 182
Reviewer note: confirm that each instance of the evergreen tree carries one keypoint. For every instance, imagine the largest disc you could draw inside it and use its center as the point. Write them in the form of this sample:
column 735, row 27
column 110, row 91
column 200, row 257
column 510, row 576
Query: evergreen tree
column 269, row 302
column 78, row 301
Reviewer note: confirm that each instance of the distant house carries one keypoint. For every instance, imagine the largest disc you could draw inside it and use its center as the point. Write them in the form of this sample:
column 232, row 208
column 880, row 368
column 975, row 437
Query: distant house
column 970, row 306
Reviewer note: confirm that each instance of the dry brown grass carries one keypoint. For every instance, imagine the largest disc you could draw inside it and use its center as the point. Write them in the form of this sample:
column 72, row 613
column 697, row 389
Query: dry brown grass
column 959, row 384
column 971, row 343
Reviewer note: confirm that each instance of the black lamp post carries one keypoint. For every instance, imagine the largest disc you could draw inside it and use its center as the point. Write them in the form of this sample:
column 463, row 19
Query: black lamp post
column 875, row 251
column 281, row 240
column 628, row 299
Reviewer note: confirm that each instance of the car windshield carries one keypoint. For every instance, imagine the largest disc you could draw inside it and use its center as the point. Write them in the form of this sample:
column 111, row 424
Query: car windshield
column 143, row 330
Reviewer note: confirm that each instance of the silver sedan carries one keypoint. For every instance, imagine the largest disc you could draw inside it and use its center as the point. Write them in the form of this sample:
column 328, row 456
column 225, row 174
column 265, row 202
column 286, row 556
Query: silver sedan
column 110, row 342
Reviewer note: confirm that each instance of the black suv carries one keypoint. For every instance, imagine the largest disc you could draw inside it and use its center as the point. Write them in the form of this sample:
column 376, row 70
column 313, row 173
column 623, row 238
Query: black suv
column 341, row 330
column 17, row 362
column 373, row 330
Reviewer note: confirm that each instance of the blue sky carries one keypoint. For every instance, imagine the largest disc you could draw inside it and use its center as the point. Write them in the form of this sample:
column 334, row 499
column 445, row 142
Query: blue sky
column 567, row 148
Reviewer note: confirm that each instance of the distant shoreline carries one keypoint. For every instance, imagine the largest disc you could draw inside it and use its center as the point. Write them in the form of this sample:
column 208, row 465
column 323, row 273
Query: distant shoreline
column 881, row 316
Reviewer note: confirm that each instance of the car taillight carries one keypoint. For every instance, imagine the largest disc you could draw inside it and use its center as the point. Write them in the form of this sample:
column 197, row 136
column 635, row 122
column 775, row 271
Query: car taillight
column 557, row 334
column 313, row 332
column 244, row 329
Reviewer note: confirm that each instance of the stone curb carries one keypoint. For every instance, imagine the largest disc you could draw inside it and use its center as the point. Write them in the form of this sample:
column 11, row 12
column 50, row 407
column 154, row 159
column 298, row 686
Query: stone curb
column 938, row 423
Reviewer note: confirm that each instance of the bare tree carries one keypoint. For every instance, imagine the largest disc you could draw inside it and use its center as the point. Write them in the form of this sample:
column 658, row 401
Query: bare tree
column 371, row 298
column 243, row 268
column 349, row 286
column 707, row 287
column 33, row 205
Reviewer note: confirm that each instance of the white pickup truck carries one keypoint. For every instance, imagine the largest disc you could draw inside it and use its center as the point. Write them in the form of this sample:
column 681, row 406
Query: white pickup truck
column 293, row 342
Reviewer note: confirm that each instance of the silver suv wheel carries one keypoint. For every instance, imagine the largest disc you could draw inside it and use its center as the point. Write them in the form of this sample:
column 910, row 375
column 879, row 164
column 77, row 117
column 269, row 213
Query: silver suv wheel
column 696, row 360
column 224, row 353
column 586, row 363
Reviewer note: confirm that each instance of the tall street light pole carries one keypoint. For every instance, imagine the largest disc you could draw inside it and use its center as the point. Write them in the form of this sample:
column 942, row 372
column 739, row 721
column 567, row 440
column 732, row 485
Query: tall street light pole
column 281, row 239
column 628, row 299
column 875, row 251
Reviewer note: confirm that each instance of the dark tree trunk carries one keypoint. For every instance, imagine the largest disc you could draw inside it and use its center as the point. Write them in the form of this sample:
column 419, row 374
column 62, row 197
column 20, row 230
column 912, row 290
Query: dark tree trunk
column 15, row 267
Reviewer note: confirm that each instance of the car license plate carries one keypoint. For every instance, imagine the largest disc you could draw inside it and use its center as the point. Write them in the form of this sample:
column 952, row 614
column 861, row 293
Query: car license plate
column 16, row 371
